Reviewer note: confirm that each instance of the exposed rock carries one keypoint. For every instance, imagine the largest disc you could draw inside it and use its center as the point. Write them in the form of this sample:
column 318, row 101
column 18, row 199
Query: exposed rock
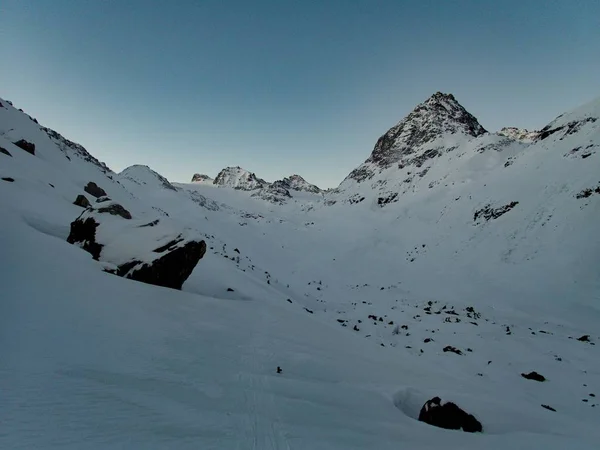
column 29, row 147
column 9, row 179
column 103, row 199
column 549, row 408
column 95, row 190
column 238, row 178
column 4, row 151
column 297, row 183
column 449, row 416
column 588, row 192
column 584, row 338
column 82, row 201
column 116, row 210
column 440, row 114
column 168, row 265
column 449, row 348
column 489, row 213
column 201, row 178
column 83, row 233
column 533, row 376
column 170, row 270
column 519, row 134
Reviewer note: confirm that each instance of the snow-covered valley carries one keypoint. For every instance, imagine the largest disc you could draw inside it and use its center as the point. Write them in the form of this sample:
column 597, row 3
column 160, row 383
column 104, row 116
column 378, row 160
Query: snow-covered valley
column 448, row 264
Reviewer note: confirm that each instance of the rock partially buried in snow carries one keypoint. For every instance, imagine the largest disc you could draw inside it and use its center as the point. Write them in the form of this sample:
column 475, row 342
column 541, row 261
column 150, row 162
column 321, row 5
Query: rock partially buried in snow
column 82, row 201
column 95, row 190
column 29, row 147
column 533, row 376
column 116, row 210
column 449, row 416
column 6, row 152
column 163, row 254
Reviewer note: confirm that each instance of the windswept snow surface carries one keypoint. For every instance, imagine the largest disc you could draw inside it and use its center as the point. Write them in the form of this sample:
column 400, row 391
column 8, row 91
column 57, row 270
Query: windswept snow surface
column 91, row 360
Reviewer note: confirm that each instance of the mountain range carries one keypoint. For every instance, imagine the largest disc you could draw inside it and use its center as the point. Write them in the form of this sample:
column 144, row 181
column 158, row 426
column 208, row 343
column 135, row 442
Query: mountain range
column 453, row 263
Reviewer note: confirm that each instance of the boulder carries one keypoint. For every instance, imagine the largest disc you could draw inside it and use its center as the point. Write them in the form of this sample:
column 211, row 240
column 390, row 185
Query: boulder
column 103, row 199
column 82, row 201
column 170, row 270
column 116, row 210
column 9, row 179
column 29, row 147
column 533, row 376
column 153, row 254
column 6, row 152
column 449, row 416
column 83, row 233
column 95, row 190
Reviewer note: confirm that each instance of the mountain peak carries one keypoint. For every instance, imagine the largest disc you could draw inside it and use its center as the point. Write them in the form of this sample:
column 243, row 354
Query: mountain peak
column 201, row 178
column 239, row 178
column 440, row 114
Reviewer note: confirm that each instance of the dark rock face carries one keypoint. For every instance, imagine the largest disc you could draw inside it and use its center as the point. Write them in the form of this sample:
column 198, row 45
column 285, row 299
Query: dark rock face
column 4, row 151
column 29, row 147
column 438, row 115
column 488, row 213
column 448, row 416
column 533, row 376
column 95, row 190
column 116, row 210
column 566, row 130
column 9, row 179
column 170, row 270
column 82, row 201
column 83, row 232
column 584, row 338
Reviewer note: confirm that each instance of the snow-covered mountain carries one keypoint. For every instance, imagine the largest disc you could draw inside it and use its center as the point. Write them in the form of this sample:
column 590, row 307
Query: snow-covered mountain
column 202, row 178
column 519, row 134
column 297, row 183
column 453, row 263
column 144, row 175
column 238, row 178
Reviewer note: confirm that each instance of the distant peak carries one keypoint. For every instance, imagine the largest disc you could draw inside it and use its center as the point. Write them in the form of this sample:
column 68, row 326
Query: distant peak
column 200, row 177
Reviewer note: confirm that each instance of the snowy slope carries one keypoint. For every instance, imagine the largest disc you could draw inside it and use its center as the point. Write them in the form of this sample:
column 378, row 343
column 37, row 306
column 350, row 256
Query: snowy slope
column 355, row 301
column 144, row 175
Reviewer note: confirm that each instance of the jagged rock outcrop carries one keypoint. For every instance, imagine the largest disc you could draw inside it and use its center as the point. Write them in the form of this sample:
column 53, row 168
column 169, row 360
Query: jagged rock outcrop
column 238, row 178
column 273, row 193
column 149, row 252
column 95, row 190
column 82, row 201
column 297, row 183
column 29, row 147
column 439, row 115
column 449, row 416
column 519, row 134
column 201, row 178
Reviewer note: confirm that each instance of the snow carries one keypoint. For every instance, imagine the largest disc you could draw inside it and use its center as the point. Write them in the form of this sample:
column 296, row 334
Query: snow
column 91, row 360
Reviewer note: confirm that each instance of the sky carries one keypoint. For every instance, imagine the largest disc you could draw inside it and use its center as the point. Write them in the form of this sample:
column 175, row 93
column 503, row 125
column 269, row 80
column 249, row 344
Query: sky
column 285, row 86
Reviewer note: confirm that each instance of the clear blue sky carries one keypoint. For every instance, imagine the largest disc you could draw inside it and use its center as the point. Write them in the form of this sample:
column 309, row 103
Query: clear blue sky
column 280, row 86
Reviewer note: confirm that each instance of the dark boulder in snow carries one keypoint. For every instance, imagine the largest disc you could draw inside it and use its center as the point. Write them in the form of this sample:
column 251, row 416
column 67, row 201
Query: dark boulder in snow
column 161, row 254
column 9, row 179
column 533, row 376
column 95, row 190
column 83, row 233
column 116, row 210
column 6, row 152
column 82, row 201
column 29, row 147
column 170, row 270
column 449, row 416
